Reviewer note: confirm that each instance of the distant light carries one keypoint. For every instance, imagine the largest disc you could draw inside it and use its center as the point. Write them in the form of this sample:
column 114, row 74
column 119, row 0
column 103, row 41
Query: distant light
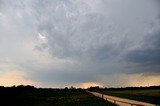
column 41, row 37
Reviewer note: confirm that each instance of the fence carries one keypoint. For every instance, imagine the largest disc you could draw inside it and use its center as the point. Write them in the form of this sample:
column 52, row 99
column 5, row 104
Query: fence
column 116, row 101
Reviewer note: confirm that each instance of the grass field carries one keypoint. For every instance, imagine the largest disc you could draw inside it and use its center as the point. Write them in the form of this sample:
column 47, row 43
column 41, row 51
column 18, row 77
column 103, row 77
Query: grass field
column 146, row 95
column 49, row 97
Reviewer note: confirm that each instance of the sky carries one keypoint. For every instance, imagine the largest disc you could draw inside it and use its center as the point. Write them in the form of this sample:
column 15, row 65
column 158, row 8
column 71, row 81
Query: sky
column 81, row 43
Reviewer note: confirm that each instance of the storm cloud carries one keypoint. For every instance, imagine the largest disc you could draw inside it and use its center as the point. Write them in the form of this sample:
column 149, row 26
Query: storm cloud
column 80, row 41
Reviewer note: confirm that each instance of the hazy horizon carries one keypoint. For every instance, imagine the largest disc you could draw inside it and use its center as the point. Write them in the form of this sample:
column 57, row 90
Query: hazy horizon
column 81, row 43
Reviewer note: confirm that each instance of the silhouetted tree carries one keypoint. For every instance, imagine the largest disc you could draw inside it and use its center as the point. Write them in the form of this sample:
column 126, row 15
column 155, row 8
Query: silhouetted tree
column 96, row 88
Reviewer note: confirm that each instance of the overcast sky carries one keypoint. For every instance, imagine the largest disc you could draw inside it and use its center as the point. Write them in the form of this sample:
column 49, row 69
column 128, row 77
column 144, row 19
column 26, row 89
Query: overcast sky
column 58, row 43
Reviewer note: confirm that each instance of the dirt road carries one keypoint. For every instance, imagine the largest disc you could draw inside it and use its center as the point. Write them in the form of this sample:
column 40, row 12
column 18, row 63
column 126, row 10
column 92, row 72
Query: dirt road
column 121, row 101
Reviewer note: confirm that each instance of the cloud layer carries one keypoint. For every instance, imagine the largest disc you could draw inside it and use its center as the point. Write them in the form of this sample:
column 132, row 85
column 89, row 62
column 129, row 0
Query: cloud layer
column 80, row 41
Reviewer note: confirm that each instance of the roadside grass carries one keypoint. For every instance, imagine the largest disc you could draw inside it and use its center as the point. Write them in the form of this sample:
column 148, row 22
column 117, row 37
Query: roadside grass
column 50, row 97
column 145, row 95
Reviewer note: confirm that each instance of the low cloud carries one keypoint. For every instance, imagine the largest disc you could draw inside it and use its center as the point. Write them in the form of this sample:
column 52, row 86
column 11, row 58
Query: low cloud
column 10, row 78
column 79, row 41
column 147, row 54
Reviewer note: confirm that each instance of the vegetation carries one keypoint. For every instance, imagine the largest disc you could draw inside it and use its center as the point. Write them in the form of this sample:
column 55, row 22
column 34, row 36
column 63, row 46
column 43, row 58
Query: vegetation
column 31, row 96
column 146, row 94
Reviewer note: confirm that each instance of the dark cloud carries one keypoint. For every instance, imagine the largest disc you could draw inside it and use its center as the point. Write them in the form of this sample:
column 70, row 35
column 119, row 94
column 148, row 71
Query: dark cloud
column 147, row 55
column 80, row 40
column 41, row 47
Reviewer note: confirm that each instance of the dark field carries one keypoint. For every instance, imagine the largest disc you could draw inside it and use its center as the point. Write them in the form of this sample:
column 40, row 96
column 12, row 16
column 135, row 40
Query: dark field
column 48, row 97
column 146, row 95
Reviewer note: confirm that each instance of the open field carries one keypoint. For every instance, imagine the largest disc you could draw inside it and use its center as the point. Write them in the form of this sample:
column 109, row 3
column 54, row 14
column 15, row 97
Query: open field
column 145, row 95
column 49, row 97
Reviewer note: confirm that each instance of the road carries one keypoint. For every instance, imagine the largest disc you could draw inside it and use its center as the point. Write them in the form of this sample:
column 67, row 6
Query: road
column 121, row 101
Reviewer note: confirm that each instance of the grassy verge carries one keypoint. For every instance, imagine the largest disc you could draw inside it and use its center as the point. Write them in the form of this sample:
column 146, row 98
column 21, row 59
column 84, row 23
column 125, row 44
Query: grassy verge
column 49, row 97
column 149, row 95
